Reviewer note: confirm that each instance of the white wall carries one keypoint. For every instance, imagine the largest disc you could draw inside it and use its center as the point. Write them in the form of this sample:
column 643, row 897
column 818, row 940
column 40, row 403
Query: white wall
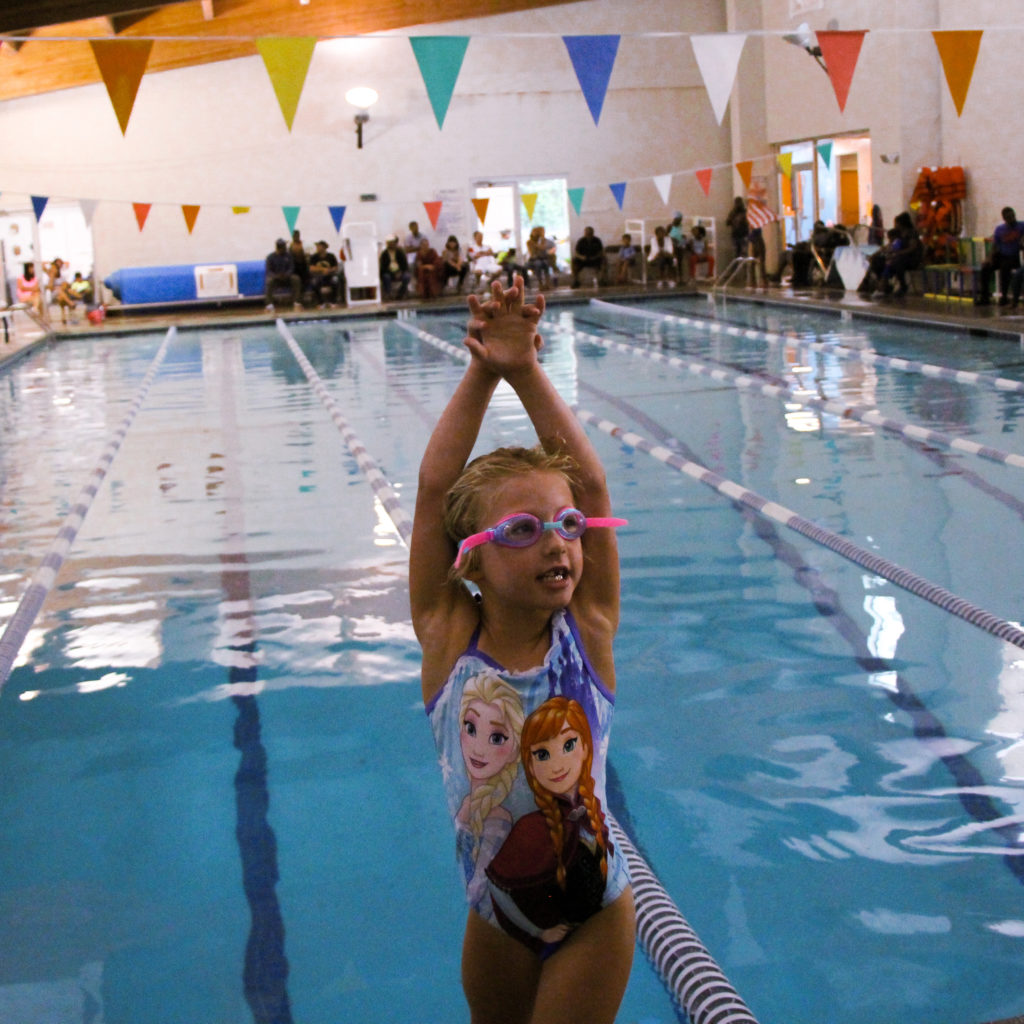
column 213, row 135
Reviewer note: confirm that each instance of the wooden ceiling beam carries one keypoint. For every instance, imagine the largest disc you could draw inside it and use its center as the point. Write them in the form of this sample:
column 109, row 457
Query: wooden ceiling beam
column 42, row 67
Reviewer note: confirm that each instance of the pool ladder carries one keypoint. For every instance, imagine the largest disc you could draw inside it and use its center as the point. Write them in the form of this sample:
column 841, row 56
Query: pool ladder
column 741, row 264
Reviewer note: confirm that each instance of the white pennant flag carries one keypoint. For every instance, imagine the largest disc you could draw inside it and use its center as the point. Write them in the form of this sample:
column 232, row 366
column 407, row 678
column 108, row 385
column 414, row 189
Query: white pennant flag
column 718, row 57
column 663, row 182
column 88, row 208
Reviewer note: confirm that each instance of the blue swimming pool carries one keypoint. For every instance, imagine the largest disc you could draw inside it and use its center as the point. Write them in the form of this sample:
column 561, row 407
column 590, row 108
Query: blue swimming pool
column 220, row 800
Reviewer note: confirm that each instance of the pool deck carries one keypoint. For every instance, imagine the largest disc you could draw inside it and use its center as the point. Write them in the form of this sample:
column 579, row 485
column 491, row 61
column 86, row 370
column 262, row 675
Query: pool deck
column 924, row 310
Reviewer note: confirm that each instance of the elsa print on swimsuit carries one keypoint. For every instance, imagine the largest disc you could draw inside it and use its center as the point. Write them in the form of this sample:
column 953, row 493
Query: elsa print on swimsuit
column 491, row 717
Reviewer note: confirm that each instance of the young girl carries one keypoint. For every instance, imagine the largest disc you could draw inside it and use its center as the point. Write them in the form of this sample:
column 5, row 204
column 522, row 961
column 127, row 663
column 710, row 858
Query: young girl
column 523, row 525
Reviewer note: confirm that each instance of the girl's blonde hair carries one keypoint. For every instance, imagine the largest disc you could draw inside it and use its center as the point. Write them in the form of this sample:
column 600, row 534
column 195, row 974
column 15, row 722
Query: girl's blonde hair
column 545, row 723
column 491, row 689
column 464, row 501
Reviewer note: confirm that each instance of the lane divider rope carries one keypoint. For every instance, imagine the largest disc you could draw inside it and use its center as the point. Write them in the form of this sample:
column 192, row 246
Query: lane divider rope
column 689, row 972
column 861, row 413
column 987, row 380
column 901, row 577
column 378, row 481
column 46, row 575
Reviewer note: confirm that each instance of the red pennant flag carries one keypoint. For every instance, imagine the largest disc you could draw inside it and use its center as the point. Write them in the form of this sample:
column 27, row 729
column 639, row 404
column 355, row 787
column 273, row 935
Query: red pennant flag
column 141, row 212
column 433, row 211
column 190, row 212
column 840, row 51
column 704, row 177
column 745, row 167
column 480, row 205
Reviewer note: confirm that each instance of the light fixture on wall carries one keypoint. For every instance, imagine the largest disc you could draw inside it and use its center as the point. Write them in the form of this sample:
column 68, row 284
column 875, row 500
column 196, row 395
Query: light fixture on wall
column 805, row 39
column 362, row 97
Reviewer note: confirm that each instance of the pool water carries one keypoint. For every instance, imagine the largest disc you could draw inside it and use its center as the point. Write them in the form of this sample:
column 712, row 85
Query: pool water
column 220, row 796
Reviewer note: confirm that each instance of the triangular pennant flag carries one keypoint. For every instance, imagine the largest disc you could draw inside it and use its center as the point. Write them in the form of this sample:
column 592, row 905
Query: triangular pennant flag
column 291, row 215
column 190, row 213
column 663, row 183
column 122, row 63
column 825, row 152
column 619, row 191
column 39, row 204
column 239, row 209
column 787, row 192
column 576, row 198
column 141, row 213
column 785, row 162
column 337, row 216
column 718, row 57
column 480, row 205
column 88, row 207
column 433, row 209
column 745, row 167
column 839, row 51
column 440, row 60
column 959, row 51
column 287, row 61
column 593, row 58
column 530, row 201
column 704, row 177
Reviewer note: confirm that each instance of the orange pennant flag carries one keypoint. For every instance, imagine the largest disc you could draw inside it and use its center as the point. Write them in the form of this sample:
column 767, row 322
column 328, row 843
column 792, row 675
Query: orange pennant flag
column 840, row 51
column 141, row 213
column 122, row 63
column 190, row 212
column 745, row 167
column 480, row 205
column 787, row 193
column 433, row 211
column 959, row 51
column 704, row 177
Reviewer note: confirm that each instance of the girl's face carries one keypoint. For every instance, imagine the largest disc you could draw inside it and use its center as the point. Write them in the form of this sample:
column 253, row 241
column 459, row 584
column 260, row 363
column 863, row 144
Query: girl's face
column 544, row 575
column 488, row 744
column 558, row 762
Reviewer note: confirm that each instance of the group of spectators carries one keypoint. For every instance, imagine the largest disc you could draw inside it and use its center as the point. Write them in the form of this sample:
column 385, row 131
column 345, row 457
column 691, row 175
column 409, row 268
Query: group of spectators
column 319, row 274
column 57, row 289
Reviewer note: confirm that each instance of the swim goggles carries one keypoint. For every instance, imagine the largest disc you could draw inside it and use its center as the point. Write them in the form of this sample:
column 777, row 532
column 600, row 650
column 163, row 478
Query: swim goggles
column 521, row 529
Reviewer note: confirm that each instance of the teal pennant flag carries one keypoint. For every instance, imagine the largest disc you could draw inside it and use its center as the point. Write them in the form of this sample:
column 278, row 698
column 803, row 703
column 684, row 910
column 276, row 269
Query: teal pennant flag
column 440, row 60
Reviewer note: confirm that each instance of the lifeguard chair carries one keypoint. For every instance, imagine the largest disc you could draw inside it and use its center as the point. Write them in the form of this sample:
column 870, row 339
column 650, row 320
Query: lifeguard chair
column 362, row 269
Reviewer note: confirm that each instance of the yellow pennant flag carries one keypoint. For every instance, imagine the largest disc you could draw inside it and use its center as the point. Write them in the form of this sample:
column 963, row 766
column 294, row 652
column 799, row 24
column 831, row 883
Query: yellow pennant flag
column 959, row 51
column 287, row 61
column 529, row 201
column 785, row 162
column 239, row 209
column 122, row 63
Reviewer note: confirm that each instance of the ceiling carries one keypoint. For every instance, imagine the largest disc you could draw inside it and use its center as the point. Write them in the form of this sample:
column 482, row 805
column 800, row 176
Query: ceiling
column 209, row 30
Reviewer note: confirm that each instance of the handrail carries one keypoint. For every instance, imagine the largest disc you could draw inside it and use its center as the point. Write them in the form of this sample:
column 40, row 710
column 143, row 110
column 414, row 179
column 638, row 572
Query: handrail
column 738, row 263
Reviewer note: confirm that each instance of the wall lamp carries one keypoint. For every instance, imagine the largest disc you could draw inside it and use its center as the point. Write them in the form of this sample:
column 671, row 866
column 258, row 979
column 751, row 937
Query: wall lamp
column 362, row 97
column 805, row 39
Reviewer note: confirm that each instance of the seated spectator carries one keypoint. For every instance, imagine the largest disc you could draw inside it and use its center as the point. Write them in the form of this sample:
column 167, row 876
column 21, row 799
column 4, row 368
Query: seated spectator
column 453, row 264
column 700, row 251
column 901, row 253
column 508, row 260
column 627, row 256
column 1005, row 259
column 589, row 253
column 324, row 275
column 540, row 257
column 81, row 288
column 27, row 288
column 482, row 262
column 280, row 273
column 300, row 259
column 428, row 271
column 680, row 244
column 662, row 258
column 394, row 268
